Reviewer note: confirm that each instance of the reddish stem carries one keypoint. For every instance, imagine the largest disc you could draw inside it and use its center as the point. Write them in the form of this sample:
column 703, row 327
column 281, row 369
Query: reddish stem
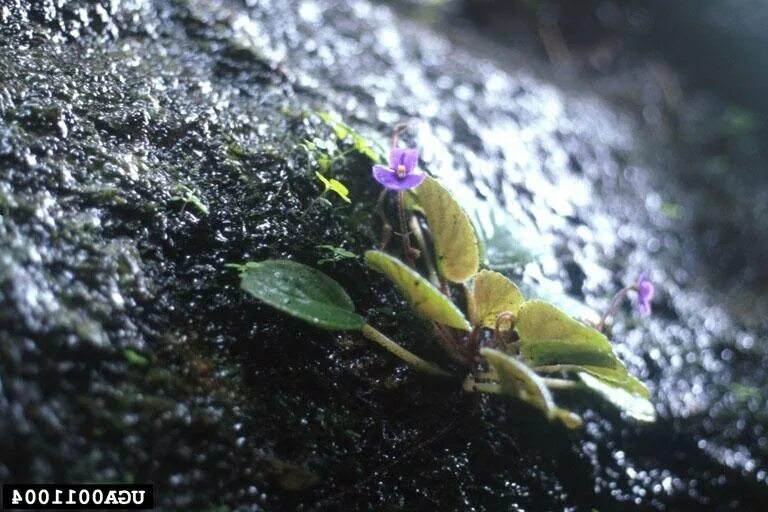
column 399, row 129
column 614, row 304
column 473, row 342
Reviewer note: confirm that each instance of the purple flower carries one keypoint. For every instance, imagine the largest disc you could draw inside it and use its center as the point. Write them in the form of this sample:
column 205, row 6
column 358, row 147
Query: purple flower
column 402, row 173
column 645, row 290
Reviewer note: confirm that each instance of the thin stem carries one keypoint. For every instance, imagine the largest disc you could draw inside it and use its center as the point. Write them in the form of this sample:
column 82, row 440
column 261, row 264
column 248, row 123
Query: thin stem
column 471, row 304
column 344, row 153
column 403, row 353
column 505, row 315
column 470, row 384
column 312, row 204
column 473, row 342
column 422, row 243
column 407, row 249
column 491, row 374
column 559, row 383
column 497, row 336
column 448, row 343
column 557, row 368
column 614, row 304
column 386, row 227
column 399, row 128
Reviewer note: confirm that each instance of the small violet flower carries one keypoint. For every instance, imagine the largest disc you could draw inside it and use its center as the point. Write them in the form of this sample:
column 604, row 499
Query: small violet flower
column 645, row 291
column 402, row 173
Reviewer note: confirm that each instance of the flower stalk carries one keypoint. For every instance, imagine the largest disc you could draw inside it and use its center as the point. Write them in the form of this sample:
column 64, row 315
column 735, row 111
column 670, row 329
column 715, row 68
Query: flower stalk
column 403, row 353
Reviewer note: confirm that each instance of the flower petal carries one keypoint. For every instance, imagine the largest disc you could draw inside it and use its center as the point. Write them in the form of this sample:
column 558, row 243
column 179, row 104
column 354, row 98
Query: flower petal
column 410, row 159
column 646, row 291
column 396, row 157
column 411, row 180
column 385, row 176
column 643, row 307
column 645, row 288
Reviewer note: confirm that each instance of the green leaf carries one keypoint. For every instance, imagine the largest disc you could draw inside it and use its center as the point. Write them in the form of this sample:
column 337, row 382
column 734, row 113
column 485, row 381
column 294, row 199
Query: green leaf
column 550, row 337
column 549, row 291
column 366, row 148
column 635, row 406
column 494, row 294
column 619, row 377
column 518, row 380
column 188, row 196
column 324, row 162
column 340, row 130
column 335, row 185
column 135, row 358
column 359, row 143
column 424, row 298
column 411, row 201
column 456, row 245
column 337, row 254
column 301, row 291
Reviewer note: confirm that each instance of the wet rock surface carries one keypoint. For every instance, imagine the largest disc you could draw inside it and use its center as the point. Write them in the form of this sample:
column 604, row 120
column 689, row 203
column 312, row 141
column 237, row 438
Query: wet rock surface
column 145, row 144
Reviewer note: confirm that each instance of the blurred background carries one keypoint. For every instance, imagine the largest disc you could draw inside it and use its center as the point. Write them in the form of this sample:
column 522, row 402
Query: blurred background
column 693, row 73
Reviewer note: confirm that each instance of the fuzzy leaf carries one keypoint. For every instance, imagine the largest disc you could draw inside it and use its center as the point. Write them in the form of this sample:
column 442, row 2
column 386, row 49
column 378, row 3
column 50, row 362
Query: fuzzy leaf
column 424, row 298
column 494, row 294
column 411, row 201
column 548, row 337
column 456, row 245
column 518, row 380
column 301, row 291
column 633, row 405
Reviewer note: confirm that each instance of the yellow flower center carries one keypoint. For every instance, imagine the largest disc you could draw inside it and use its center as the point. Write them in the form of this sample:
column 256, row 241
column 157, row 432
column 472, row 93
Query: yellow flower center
column 400, row 171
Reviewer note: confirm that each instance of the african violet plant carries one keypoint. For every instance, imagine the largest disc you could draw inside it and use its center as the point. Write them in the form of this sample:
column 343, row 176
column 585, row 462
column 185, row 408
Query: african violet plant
column 505, row 343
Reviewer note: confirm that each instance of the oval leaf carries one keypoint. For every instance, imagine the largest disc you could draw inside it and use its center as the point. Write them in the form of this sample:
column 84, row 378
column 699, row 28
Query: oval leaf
column 301, row 291
column 548, row 337
column 631, row 404
column 456, row 245
column 424, row 298
column 519, row 381
column 620, row 378
column 494, row 294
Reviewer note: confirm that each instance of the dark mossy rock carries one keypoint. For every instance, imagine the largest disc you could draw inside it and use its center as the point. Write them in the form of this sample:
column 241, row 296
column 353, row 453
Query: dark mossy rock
column 144, row 145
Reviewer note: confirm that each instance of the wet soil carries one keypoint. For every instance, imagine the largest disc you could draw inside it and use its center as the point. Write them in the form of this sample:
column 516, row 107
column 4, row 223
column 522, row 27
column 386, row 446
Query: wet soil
column 128, row 352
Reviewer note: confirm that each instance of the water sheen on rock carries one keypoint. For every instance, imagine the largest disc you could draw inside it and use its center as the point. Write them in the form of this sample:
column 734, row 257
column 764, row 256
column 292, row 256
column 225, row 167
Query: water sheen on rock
column 113, row 115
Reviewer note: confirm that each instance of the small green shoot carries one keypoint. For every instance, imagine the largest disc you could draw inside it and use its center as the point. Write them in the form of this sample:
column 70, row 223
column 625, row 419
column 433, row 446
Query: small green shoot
column 335, row 186
column 336, row 254
column 331, row 185
column 134, row 358
column 187, row 196
column 344, row 133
